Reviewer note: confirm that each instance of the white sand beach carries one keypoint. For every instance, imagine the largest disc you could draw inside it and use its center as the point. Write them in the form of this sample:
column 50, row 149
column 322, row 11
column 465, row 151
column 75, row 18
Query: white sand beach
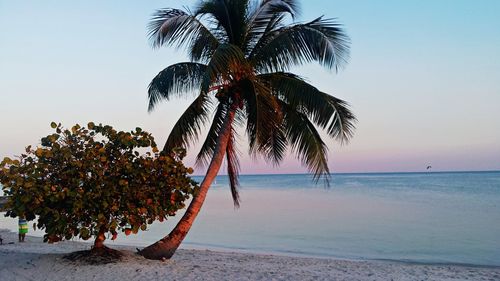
column 34, row 260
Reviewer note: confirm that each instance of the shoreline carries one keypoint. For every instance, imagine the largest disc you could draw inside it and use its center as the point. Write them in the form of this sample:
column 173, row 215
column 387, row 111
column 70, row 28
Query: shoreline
column 290, row 254
column 202, row 247
column 34, row 260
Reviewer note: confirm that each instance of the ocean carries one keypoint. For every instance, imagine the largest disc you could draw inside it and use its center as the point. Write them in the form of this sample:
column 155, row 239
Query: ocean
column 415, row 217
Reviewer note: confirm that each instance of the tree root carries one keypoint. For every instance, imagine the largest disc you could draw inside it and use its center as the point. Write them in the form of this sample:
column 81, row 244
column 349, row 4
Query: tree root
column 95, row 256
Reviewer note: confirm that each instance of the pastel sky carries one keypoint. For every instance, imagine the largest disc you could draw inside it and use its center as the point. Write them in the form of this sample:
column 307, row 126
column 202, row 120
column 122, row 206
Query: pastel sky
column 423, row 80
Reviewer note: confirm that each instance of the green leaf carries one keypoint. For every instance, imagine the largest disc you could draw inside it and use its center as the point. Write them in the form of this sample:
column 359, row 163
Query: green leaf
column 84, row 233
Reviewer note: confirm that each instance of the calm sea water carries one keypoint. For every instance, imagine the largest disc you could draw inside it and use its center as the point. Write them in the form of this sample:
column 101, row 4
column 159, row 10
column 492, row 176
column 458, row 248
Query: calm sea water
column 420, row 217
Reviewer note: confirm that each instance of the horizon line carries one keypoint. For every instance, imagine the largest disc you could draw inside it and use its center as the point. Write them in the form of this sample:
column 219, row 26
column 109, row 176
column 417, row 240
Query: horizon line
column 358, row 173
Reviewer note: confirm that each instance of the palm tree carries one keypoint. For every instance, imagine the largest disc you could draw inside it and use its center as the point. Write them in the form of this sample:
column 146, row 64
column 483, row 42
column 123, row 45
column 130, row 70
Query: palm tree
column 241, row 52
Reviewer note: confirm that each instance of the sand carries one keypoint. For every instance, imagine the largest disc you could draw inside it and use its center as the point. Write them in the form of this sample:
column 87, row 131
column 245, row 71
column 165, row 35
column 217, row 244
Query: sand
column 34, row 260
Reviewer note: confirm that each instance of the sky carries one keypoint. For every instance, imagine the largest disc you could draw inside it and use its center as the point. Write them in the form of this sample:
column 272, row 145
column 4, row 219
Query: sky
column 423, row 79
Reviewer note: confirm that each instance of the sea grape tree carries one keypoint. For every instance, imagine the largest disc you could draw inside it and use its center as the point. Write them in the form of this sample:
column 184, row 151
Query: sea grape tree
column 95, row 181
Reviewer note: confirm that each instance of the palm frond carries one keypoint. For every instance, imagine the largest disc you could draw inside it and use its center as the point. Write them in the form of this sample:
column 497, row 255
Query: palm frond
column 321, row 40
column 186, row 130
column 228, row 14
column 174, row 26
column 227, row 62
column 176, row 79
column 264, row 124
column 208, row 147
column 306, row 142
column 252, row 114
column 343, row 123
column 269, row 10
column 233, row 168
column 266, row 15
column 326, row 111
column 270, row 7
column 258, row 29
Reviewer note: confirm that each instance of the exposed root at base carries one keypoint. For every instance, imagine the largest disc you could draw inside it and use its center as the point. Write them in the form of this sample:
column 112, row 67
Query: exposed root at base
column 95, row 256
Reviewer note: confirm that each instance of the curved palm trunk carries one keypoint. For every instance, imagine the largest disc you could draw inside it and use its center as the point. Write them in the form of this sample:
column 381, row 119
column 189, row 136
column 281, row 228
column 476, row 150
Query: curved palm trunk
column 166, row 247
